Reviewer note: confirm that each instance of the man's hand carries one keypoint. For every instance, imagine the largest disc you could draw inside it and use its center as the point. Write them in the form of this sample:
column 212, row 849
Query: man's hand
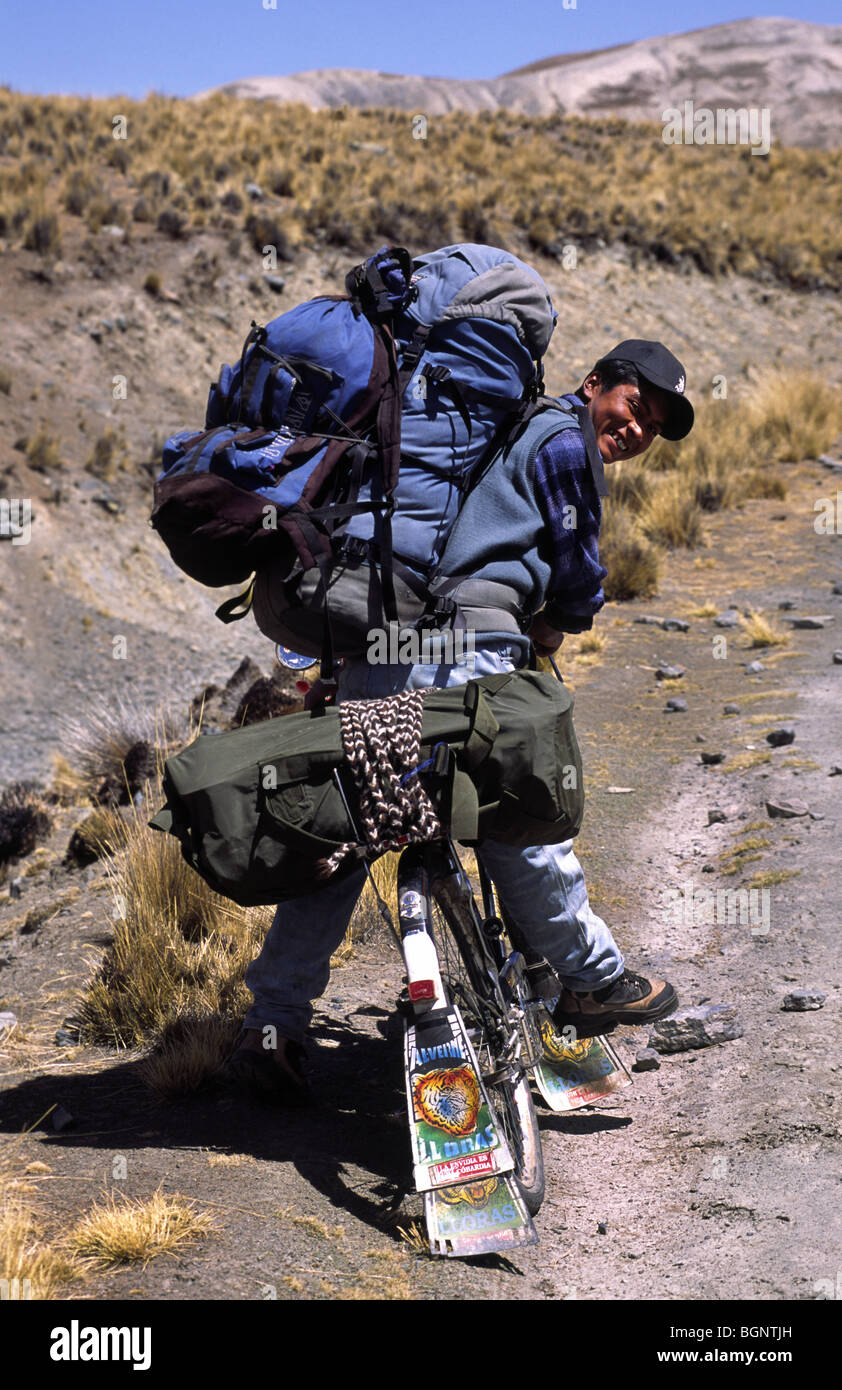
column 545, row 639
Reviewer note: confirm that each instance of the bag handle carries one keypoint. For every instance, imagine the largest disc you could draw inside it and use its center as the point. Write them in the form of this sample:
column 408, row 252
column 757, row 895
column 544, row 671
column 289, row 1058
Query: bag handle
column 483, row 727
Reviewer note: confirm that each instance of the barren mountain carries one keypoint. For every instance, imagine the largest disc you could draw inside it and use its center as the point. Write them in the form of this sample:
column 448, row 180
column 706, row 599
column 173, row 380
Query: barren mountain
column 792, row 67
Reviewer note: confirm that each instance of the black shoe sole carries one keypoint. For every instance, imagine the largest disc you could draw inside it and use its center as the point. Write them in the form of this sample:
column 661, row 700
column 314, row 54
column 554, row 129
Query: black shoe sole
column 262, row 1077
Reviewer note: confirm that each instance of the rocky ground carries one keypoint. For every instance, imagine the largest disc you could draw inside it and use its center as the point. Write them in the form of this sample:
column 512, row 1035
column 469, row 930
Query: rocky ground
column 714, row 1176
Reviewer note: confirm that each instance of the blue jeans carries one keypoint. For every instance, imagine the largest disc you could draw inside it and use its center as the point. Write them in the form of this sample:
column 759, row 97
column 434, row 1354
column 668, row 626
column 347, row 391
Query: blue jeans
column 542, row 889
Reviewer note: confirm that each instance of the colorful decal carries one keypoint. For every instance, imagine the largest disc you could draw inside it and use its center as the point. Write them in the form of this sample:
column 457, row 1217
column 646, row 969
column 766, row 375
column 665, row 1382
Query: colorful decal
column 574, row 1074
column 455, row 1136
column 448, row 1100
column 475, row 1217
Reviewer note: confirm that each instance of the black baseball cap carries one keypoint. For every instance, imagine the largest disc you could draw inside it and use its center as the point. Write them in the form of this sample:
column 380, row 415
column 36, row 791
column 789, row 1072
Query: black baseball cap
column 657, row 365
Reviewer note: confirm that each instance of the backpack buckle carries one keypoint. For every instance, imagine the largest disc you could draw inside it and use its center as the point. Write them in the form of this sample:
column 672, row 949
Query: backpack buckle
column 438, row 374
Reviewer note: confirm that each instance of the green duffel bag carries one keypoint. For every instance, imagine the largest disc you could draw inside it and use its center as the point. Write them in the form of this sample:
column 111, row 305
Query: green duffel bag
column 258, row 810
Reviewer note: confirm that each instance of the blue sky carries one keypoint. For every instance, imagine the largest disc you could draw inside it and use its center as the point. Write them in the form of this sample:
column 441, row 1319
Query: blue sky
column 131, row 47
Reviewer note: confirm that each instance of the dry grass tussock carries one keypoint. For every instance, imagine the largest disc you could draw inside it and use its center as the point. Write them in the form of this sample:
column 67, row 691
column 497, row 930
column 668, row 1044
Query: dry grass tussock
column 496, row 177
column 114, row 749
column 632, row 561
column 762, row 632
column 35, row 1267
column 133, row 1231
column 179, row 949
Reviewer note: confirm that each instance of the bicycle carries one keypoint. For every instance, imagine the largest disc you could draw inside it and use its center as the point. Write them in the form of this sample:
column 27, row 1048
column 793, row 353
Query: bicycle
column 469, row 1042
column 475, row 1032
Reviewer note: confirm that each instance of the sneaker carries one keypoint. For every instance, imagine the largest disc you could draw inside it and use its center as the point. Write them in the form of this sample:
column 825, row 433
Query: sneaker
column 629, row 1000
column 276, row 1073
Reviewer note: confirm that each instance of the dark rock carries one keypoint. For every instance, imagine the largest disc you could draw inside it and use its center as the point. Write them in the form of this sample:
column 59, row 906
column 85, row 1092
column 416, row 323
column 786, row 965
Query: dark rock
column 786, row 809
column 16, row 888
column 267, row 698
column 730, row 618
column 801, row 1000
column 255, row 192
column 650, row 620
column 699, row 1027
column 669, row 673
column 216, row 707
column 710, row 758
column 700, row 738
column 675, row 705
column 818, row 621
column 786, row 604
column 675, row 625
column 64, row 1039
column 62, row 1119
column 275, row 283
column 716, row 816
column 778, row 738
column 647, row 1059
column 837, row 658
column 835, row 770
column 837, row 588
column 730, row 708
column 708, row 868
column 108, row 504
column 602, row 1228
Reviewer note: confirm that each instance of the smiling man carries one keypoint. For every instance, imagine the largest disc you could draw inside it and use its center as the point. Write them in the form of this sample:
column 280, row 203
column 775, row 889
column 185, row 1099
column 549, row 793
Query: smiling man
column 522, row 565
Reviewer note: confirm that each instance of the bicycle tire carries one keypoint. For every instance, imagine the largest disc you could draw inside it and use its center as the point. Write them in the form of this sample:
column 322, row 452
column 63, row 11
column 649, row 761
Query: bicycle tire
column 471, row 979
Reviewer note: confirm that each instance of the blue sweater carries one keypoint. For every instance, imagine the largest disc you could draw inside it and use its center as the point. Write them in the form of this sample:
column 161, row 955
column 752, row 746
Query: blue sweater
column 532, row 522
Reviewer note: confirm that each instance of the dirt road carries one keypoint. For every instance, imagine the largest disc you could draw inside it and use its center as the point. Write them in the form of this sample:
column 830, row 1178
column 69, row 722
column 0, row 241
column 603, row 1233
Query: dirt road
column 714, row 1176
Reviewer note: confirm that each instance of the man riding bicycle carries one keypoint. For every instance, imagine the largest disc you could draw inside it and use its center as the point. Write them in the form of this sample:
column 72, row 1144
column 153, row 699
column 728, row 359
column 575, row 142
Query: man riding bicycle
column 526, row 542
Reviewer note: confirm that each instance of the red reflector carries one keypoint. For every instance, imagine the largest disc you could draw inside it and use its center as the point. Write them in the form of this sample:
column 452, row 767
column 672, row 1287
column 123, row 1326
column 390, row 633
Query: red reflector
column 422, row 989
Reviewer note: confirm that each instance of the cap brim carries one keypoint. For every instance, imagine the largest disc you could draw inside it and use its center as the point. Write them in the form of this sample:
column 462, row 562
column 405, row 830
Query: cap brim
column 681, row 413
column 681, row 418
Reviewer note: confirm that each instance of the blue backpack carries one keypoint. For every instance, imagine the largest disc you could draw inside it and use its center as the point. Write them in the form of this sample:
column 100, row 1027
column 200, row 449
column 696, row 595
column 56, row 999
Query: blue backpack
column 338, row 450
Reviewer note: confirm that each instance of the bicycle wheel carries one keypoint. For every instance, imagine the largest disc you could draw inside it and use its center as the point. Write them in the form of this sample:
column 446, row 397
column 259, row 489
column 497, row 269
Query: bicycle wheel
column 493, row 1015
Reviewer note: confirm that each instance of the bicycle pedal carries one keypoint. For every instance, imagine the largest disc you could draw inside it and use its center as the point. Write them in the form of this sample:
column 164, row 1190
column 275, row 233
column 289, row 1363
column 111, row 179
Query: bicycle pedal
column 404, row 1005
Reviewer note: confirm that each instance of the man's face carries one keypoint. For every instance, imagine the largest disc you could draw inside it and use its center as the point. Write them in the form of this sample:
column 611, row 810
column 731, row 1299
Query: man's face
column 625, row 419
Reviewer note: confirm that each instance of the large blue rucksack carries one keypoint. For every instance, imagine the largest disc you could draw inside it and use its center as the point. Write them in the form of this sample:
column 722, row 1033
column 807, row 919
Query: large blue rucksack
column 337, row 451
